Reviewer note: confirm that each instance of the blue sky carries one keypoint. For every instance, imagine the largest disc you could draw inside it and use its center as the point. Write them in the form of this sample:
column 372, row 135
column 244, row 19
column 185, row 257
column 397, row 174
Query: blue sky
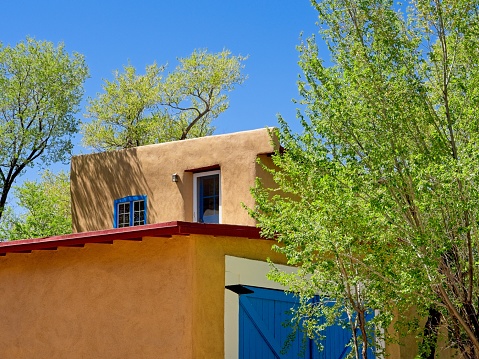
column 112, row 33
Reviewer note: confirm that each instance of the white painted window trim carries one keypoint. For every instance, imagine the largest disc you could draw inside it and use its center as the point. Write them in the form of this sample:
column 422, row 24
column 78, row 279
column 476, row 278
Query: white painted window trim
column 195, row 192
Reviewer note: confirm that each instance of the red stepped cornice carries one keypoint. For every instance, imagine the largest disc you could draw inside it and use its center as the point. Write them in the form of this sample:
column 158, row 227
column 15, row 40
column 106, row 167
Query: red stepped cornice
column 167, row 229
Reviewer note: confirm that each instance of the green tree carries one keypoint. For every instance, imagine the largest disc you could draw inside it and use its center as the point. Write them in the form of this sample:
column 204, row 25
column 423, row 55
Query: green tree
column 45, row 206
column 379, row 200
column 137, row 110
column 40, row 89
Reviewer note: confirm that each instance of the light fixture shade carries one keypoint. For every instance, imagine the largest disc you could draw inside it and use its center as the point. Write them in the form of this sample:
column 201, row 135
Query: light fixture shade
column 175, row 177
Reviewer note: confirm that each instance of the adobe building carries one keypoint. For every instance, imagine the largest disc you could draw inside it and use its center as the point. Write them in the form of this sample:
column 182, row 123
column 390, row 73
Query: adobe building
column 174, row 181
column 152, row 291
column 164, row 262
column 161, row 247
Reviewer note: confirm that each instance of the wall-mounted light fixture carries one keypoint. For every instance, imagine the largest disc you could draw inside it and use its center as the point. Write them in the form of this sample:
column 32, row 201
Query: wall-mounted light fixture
column 175, row 177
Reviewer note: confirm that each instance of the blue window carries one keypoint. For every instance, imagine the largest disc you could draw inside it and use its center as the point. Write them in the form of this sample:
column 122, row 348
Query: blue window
column 129, row 211
column 207, row 197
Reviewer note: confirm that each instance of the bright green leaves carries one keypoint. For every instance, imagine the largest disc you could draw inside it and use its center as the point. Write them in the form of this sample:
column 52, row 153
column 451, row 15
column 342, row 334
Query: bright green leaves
column 40, row 89
column 137, row 109
column 46, row 209
column 123, row 113
column 378, row 197
column 325, row 227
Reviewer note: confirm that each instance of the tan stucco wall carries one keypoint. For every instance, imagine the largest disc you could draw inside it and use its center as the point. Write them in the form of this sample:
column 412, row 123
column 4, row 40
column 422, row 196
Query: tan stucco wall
column 158, row 298
column 98, row 179
column 406, row 346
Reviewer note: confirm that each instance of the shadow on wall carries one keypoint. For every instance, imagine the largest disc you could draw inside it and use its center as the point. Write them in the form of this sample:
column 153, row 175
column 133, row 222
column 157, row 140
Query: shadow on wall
column 97, row 180
column 185, row 188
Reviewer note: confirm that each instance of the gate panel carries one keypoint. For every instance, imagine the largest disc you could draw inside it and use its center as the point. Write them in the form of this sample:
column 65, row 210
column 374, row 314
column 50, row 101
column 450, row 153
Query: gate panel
column 263, row 334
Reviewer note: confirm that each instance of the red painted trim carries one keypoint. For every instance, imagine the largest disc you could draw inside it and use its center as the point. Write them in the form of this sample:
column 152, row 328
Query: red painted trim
column 136, row 233
column 204, row 169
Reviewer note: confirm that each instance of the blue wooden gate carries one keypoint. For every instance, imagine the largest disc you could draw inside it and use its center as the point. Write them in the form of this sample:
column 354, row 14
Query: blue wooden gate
column 263, row 314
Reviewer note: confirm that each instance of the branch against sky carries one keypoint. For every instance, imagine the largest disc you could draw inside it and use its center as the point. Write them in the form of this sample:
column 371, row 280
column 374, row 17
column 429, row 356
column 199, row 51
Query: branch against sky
column 137, row 110
column 41, row 86
column 380, row 203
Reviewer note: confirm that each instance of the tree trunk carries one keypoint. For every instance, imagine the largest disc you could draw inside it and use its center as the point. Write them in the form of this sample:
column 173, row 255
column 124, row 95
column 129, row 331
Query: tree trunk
column 364, row 335
column 427, row 349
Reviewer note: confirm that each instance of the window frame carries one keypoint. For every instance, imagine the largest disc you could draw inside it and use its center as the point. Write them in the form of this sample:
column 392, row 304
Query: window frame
column 196, row 176
column 131, row 201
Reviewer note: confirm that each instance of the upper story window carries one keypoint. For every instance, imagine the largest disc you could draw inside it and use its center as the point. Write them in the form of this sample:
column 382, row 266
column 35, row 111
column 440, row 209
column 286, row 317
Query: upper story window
column 207, row 197
column 129, row 211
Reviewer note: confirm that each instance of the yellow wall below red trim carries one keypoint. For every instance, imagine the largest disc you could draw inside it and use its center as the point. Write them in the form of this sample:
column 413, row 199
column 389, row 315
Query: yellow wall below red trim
column 156, row 298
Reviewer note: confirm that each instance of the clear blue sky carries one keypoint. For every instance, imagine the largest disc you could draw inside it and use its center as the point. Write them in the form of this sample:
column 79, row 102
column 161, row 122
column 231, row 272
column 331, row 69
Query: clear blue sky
column 111, row 33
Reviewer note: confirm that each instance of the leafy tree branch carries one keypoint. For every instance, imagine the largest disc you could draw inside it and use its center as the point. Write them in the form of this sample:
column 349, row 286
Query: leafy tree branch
column 386, row 168
column 137, row 110
column 40, row 89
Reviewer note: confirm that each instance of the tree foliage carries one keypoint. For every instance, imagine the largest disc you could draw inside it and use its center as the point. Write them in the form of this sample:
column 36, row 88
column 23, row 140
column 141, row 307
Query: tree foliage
column 45, row 206
column 137, row 110
column 378, row 200
column 40, row 89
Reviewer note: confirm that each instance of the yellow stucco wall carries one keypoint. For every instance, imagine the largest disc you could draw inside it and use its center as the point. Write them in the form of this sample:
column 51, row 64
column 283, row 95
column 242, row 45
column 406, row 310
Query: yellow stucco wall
column 98, row 179
column 125, row 300
column 209, row 281
column 158, row 298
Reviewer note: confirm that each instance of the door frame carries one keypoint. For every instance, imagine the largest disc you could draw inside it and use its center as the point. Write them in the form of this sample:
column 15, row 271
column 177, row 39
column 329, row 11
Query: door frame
column 242, row 271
